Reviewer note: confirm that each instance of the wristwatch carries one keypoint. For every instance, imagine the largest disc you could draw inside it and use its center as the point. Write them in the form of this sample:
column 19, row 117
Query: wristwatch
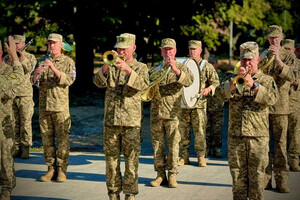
column 255, row 85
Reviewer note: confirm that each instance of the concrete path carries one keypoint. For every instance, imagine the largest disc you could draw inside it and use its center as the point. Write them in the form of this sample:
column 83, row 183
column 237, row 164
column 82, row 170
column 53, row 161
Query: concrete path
column 86, row 181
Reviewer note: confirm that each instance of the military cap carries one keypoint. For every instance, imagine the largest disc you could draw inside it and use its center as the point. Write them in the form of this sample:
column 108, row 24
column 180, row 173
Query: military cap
column 248, row 50
column 19, row 38
column 274, row 31
column 195, row 44
column 168, row 42
column 55, row 37
column 125, row 40
column 212, row 59
column 297, row 45
column 288, row 43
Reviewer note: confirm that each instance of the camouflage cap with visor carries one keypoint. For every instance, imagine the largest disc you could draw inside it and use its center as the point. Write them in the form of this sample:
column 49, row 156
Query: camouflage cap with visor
column 168, row 42
column 125, row 40
column 19, row 38
column 55, row 37
column 274, row 31
column 288, row 43
column 194, row 44
column 249, row 50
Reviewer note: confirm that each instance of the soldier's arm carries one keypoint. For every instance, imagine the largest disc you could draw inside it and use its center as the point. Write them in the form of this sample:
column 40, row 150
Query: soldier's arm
column 12, row 80
column 139, row 81
column 213, row 79
column 28, row 64
column 267, row 93
column 68, row 76
column 99, row 79
column 186, row 77
column 223, row 91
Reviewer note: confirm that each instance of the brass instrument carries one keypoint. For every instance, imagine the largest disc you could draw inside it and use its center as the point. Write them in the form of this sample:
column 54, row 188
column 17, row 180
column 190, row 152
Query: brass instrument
column 239, row 81
column 109, row 57
column 265, row 60
column 155, row 78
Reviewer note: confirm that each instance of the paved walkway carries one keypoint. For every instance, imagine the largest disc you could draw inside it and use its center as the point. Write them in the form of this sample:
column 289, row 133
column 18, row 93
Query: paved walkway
column 86, row 181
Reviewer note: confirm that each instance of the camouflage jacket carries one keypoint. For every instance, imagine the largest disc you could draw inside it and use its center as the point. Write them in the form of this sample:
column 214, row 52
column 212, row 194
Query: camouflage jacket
column 249, row 112
column 166, row 103
column 213, row 103
column 123, row 94
column 8, row 82
column 208, row 78
column 8, row 96
column 295, row 91
column 54, row 92
column 28, row 64
column 282, row 79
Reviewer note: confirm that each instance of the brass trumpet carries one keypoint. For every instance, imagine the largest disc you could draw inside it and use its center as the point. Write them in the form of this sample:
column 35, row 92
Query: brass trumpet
column 155, row 78
column 109, row 57
column 239, row 81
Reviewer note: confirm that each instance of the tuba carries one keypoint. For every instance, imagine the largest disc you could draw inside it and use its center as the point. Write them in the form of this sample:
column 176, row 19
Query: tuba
column 155, row 77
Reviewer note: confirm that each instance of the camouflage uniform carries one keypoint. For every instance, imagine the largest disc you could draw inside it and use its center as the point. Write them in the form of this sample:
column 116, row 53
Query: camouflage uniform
column 122, row 120
column 23, row 105
column 248, row 130
column 280, row 111
column 293, row 140
column 165, row 111
column 8, row 82
column 54, row 114
column 196, row 116
column 215, row 119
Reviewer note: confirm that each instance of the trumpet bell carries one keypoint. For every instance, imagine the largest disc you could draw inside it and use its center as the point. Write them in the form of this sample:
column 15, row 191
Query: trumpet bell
column 109, row 57
column 239, row 82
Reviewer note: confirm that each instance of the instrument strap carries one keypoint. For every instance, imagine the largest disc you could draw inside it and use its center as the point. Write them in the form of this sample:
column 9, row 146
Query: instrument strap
column 202, row 64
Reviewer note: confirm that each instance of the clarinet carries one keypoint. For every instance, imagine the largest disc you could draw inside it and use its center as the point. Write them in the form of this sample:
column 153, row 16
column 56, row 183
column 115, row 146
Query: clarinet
column 37, row 64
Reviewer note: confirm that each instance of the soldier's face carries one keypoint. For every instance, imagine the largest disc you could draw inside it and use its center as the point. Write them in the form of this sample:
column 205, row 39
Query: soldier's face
column 55, row 47
column 290, row 49
column 275, row 40
column 251, row 65
column 20, row 45
column 195, row 52
column 168, row 53
column 127, row 52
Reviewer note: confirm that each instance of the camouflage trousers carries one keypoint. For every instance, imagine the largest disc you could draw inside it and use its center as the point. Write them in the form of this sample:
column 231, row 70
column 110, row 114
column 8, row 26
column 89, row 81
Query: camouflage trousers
column 7, row 178
column 279, row 126
column 55, row 124
column 248, row 159
column 126, row 140
column 23, row 111
column 214, row 126
column 161, row 128
column 293, row 137
column 195, row 118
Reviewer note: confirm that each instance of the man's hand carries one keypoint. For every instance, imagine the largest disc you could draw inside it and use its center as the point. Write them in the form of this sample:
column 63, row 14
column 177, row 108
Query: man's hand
column 123, row 66
column 206, row 91
column 11, row 48
column 275, row 51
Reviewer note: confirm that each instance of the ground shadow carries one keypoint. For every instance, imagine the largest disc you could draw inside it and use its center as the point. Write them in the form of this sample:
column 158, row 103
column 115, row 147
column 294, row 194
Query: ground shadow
column 34, row 198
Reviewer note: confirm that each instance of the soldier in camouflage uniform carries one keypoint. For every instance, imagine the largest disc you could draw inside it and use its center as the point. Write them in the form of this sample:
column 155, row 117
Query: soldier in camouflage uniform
column 165, row 111
column 215, row 116
column 8, row 82
column 53, row 76
column 196, row 117
column 248, row 129
column 124, row 82
column 282, row 70
column 293, row 135
column 23, row 103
